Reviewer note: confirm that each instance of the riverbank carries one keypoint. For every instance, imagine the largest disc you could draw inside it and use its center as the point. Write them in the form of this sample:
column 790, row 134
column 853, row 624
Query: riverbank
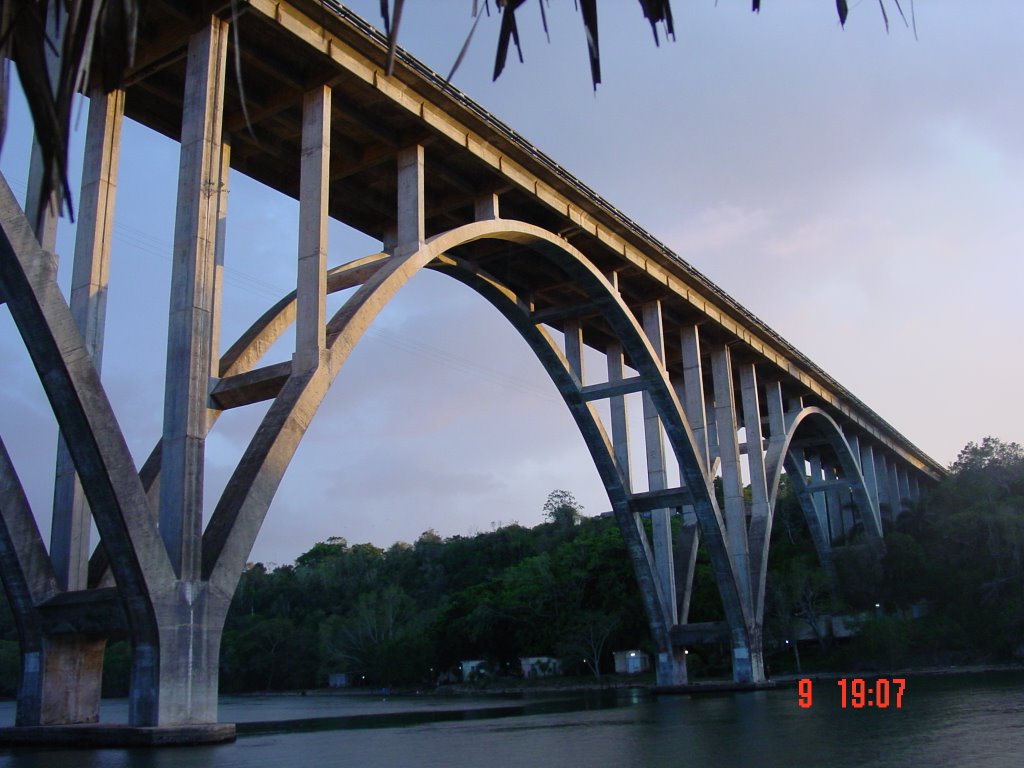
column 517, row 686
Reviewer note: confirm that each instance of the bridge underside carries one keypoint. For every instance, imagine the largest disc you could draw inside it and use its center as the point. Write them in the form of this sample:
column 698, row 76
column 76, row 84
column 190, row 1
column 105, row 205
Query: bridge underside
column 443, row 186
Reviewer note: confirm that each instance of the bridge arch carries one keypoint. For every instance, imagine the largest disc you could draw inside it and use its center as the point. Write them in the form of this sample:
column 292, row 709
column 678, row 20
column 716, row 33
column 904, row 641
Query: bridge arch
column 238, row 516
column 817, row 425
column 782, row 457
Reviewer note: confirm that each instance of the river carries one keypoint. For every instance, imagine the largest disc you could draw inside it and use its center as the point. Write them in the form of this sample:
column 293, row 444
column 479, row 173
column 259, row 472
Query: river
column 974, row 720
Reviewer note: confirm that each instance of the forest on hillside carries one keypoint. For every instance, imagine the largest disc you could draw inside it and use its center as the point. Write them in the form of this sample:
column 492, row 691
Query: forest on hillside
column 404, row 615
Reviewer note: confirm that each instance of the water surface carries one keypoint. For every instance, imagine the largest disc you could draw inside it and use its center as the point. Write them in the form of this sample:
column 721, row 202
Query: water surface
column 962, row 720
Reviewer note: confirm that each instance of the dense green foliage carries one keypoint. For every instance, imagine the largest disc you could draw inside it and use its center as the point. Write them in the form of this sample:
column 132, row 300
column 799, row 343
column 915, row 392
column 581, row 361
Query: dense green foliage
column 960, row 553
column 947, row 588
column 406, row 614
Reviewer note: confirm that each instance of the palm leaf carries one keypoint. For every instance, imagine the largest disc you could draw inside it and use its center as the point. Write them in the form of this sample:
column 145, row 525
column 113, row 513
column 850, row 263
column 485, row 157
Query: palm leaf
column 35, row 32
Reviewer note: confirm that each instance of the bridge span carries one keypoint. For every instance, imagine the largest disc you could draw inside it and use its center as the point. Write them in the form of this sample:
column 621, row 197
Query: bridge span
column 442, row 185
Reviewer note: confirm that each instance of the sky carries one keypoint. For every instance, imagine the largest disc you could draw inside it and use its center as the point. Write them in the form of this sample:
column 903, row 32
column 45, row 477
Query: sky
column 859, row 191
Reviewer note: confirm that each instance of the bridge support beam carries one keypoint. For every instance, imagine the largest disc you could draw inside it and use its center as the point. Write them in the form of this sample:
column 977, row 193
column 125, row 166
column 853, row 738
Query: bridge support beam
column 69, row 529
column 671, row 663
column 189, row 647
column 747, row 664
column 894, row 487
column 72, row 656
column 760, row 529
column 190, row 328
column 690, row 392
column 619, row 412
column 311, row 285
column 885, row 500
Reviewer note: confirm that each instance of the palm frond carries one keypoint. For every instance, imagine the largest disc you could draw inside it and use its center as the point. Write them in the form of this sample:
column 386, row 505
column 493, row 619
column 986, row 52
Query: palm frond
column 51, row 43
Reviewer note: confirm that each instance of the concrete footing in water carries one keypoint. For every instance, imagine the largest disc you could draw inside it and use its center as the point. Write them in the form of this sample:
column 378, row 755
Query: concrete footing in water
column 116, row 735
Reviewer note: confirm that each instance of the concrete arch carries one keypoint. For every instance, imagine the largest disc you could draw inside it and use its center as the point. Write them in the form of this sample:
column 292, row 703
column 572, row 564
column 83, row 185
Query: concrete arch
column 778, row 455
column 232, row 529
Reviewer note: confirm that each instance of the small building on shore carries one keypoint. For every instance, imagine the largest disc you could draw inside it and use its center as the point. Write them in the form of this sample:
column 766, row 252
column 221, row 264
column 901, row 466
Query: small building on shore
column 338, row 680
column 631, row 662
column 540, row 666
column 475, row 669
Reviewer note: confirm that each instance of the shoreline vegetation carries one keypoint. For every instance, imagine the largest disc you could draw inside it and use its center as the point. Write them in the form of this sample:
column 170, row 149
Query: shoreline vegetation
column 944, row 595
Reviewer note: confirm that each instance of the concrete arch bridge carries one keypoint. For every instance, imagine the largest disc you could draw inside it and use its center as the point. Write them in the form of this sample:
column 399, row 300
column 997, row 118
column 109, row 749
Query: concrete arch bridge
column 443, row 186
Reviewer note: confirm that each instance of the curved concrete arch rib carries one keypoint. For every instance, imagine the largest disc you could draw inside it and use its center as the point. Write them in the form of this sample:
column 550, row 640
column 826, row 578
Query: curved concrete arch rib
column 28, row 579
column 833, row 435
column 589, row 423
column 782, row 456
column 93, row 436
column 241, row 357
column 239, row 514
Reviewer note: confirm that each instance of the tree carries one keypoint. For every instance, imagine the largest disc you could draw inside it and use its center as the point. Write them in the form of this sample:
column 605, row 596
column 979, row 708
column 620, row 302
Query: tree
column 562, row 509
column 384, row 638
column 804, row 591
column 587, row 634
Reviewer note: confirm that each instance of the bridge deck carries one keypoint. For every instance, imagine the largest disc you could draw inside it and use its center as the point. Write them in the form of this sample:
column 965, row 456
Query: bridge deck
column 288, row 48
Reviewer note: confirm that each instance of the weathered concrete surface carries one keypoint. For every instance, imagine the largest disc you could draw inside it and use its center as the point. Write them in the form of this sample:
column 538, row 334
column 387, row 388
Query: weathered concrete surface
column 93, row 436
column 190, row 356
column 70, row 522
column 311, row 283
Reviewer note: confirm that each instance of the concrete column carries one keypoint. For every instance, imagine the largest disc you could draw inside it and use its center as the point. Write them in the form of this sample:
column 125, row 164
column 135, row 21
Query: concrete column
column 867, row 463
column 314, row 177
column 485, row 207
column 732, row 483
column 573, row 333
column 693, row 391
column 854, row 442
column 190, row 332
column 689, row 538
column 818, row 497
column 794, row 405
column 714, row 452
column 894, row 488
column 776, row 411
column 619, row 414
column 389, row 239
column 218, row 261
column 69, row 530
column 760, row 511
column 755, row 441
column 657, row 479
column 915, row 488
column 903, row 481
column 690, row 392
column 834, row 504
column 885, row 501
column 411, row 225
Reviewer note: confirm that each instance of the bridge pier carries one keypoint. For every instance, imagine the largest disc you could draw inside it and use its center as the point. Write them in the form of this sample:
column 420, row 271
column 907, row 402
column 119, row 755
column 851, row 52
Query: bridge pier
column 190, row 622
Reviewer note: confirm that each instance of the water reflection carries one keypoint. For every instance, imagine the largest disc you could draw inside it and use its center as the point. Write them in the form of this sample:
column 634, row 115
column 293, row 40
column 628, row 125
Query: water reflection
column 965, row 720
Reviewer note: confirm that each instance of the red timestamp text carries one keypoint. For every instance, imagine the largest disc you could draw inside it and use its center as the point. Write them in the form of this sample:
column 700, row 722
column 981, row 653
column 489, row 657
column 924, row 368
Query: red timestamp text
column 859, row 693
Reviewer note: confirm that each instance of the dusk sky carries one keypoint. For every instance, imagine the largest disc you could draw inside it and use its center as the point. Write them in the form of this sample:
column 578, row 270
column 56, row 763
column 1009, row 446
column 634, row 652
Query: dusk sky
column 860, row 192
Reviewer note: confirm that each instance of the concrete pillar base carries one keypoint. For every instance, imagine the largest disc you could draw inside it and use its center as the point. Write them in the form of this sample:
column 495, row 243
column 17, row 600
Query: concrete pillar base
column 671, row 669
column 747, row 665
column 71, row 657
